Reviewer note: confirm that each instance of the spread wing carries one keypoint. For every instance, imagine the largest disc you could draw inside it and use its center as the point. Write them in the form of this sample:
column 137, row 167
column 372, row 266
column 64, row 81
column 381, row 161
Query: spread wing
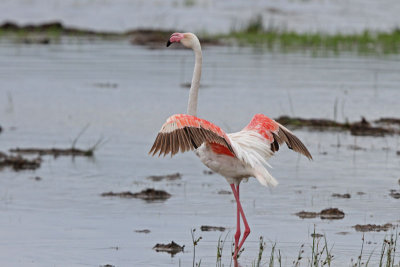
column 182, row 132
column 276, row 134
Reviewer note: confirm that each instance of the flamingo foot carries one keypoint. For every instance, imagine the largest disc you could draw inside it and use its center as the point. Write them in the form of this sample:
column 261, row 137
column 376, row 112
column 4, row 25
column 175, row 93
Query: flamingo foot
column 240, row 211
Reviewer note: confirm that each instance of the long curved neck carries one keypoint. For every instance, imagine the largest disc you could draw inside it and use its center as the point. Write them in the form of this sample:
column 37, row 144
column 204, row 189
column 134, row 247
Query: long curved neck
column 194, row 89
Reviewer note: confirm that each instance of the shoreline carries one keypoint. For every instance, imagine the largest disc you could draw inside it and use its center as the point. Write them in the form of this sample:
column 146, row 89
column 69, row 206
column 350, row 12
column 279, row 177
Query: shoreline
column 254, row 34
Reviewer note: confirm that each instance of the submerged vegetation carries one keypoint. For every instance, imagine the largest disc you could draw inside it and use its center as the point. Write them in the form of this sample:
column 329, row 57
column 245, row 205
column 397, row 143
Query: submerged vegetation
column 255, row 33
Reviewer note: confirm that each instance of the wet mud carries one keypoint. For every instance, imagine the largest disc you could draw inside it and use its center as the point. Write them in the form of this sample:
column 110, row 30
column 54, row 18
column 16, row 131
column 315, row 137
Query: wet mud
column 326, row 214
column 18, row 163
column 373, row 227
column 55, row 152
column 147, row 194
column 208, row 228
column 168, row 177
column 360, row 128
column 143, row 231
column 171, row 248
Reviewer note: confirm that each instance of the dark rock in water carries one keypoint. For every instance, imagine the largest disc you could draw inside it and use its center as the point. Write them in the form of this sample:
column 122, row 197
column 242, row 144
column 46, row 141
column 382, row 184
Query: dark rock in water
column 18, row 163
column 372, row 227
column 332, row 214
column 307, row 214
column 208, row 228
column 107, row 265
column 398, row 153
column 144, row 231
column 36, row 178
column 171, row 248
column 361, row 193
column 169, row 177
column 224, row 192
column 394, row 194
column 148, row 194
column 341, row 195
column 208, row 172
column 1, row 129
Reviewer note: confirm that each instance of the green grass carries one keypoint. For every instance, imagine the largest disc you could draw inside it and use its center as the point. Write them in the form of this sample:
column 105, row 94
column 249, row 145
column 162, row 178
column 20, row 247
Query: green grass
column 256, row 34
column 366, row 42
column 317, row 254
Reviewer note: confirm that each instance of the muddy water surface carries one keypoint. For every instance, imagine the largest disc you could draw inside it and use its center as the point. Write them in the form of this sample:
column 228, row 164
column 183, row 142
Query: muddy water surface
column 49, row 93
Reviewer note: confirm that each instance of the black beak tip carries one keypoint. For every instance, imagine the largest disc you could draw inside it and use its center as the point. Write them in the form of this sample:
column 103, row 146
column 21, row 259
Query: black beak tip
column 168, row 43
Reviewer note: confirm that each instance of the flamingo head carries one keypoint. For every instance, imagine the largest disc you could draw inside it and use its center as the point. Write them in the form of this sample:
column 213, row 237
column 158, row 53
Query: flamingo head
column 188, row 39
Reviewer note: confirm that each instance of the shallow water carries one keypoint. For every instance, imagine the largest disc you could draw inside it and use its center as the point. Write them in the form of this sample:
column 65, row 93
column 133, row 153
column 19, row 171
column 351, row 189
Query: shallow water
column 49, row 93
column 208, row 16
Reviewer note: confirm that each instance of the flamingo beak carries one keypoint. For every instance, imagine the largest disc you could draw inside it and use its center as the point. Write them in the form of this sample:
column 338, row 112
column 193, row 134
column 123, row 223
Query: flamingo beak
column 169, row 43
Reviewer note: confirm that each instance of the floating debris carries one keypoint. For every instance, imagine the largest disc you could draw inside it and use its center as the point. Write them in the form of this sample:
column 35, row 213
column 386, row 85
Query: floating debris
column 107, row 265
column 208, row 228
column 343, row 233
column 316, row 235
column 208, row 172
column 144, row 231
column 106, row 85
column 356, row 148
column 361, row 193
column 394, row 194
column 341, row 195
column 330, row 214
column 372, row 227
column 36, row 178
column 169, row 177
column 56, row 152
column 171, row 248
column 18, row 163
column 224, row 192
column 148, row 194
column 398, row 153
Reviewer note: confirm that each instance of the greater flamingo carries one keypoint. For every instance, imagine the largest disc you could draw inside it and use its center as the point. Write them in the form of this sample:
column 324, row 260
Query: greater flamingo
column 235, row 156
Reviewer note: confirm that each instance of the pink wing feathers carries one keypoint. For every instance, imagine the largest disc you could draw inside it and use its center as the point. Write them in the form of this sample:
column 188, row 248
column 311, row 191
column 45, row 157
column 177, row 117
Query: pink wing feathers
column 276, row 134
column 182, row 132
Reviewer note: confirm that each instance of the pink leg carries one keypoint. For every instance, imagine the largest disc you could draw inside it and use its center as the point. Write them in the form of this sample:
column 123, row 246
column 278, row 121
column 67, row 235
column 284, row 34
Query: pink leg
column 246, row 225
column 237, row 235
